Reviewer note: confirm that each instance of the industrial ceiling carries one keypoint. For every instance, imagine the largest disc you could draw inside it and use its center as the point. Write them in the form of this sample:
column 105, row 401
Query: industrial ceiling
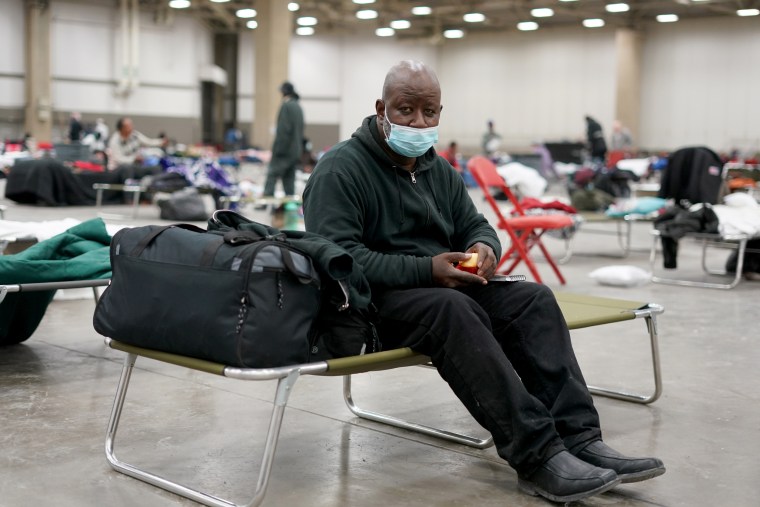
column 339, row 17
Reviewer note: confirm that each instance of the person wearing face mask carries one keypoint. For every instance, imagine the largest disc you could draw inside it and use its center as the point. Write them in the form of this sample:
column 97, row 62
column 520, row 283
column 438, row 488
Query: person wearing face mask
column 405, row 215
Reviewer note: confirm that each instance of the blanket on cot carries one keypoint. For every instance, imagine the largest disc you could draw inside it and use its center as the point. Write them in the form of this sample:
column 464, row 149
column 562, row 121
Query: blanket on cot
column 79, row 253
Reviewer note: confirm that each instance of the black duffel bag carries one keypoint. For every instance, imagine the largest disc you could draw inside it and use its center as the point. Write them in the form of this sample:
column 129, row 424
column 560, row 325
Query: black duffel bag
column 232, row 297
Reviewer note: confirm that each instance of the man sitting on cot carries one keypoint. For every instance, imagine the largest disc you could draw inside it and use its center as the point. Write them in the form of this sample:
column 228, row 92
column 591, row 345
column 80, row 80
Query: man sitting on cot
column 503, row 347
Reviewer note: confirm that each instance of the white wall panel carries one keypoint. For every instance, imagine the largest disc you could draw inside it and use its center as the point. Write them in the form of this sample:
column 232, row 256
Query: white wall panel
column 534, row 86
column 246, row 68
column 98, row 98
column 245, row 110
column 86, row 62
column 325, row 112
column 173, row 55
column 314, row 66
column 82, row 41
column 700, row 84
column 11, row 92
column 12, row 36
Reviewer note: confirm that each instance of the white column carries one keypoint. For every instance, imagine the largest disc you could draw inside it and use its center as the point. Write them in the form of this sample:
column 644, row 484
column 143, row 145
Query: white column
column 38, row 117
column 628, row 88
column 272, row 48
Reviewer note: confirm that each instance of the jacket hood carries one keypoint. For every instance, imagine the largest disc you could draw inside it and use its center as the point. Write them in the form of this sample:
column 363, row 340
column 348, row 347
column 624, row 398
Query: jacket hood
column 371, row 137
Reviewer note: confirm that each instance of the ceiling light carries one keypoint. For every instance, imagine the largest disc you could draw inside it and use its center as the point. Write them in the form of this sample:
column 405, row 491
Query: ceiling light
column 306, row 21
column 527, row 26
column 400, row 24
column 293, row 6
column 363, row 2
column 252, row 24
column 246, row 13
column 617, row 7
column 747, row 12
column 543, row 12
column 593, row 23
column 421, row 10
column 384, row 32
column 179, row 4
column 220, row 1
column 305, row 30
column 474, row 17
column 453, row 33
column 366, row 14
column 567, row 0
column 667, row 18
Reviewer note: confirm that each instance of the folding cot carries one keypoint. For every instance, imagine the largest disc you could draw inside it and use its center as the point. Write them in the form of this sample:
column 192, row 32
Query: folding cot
column 734, row 241
column 579, row 311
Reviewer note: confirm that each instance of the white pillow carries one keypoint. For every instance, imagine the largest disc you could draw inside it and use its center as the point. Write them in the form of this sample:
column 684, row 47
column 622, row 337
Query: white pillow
column 621, row 276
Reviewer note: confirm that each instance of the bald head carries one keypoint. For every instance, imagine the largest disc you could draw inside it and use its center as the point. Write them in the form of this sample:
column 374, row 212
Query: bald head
column 406, row 72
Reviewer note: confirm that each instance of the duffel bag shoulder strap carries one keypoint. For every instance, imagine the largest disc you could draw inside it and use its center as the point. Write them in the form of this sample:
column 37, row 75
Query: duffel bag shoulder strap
column 148, row 239
column 242, row 237
column 287, row 259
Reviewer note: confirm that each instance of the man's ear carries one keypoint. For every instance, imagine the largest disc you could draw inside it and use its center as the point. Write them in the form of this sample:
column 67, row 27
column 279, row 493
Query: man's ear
column 380, row 107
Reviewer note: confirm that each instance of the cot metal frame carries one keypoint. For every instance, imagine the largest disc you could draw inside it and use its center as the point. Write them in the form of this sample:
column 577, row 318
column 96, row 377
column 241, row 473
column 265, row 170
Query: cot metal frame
column 736, row 242
column 287, row 377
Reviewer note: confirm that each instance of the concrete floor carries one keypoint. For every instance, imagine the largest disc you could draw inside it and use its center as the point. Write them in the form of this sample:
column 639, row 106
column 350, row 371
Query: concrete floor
column 56, row 392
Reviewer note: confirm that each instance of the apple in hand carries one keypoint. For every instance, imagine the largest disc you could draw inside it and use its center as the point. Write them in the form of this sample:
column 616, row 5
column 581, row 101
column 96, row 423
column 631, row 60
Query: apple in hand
column 470, row 265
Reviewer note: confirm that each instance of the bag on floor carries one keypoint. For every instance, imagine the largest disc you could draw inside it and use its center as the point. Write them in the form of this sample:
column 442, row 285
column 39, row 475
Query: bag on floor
column 186, row 204
column 232, row 297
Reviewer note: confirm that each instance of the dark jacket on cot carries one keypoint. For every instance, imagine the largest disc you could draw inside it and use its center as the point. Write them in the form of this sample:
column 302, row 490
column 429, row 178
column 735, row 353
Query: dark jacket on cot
column 692, row 174
column 391, row 221
column 675, row 222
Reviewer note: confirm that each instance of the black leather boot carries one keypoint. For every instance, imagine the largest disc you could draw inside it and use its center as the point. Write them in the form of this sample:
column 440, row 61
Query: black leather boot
column 565, row 478
column 628, row 469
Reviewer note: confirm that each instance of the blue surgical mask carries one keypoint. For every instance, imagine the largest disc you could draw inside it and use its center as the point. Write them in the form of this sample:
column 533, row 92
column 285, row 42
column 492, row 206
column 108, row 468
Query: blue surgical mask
column 409, row 141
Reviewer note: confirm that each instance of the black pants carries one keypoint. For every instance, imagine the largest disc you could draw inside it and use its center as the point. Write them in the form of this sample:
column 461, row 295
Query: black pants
column 505, row 350
column 284, row 170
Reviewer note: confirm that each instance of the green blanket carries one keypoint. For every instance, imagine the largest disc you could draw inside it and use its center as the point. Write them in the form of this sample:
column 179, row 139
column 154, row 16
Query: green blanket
column 79, row 253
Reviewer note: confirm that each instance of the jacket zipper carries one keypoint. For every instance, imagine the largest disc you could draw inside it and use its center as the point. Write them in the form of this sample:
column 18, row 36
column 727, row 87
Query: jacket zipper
column 414, row 180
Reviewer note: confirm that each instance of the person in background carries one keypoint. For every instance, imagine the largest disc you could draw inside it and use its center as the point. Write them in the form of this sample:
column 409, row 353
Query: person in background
column 233, row 138
column 621, row 139
column 595, row 139
column 451, row 156
column 100, row 133
column 75, row 127
column 503, row 347
column 491, row 141
column 287, row 148
column 124, row 145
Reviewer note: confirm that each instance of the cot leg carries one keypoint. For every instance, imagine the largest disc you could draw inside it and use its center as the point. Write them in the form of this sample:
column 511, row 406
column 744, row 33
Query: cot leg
column 284, row 388
column 135, row 203
column 651, row 323
column 691, row 283
column 410, row 426
column 624, row 236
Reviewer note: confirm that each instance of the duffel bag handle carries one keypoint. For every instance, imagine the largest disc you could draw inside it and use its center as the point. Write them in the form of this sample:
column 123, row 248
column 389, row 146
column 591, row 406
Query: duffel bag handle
column 287, row 259
column 143, row 244
column 238, row 237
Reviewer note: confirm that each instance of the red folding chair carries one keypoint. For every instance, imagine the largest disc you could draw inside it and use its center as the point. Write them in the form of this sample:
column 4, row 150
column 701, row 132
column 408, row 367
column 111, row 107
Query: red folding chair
column 525, row 231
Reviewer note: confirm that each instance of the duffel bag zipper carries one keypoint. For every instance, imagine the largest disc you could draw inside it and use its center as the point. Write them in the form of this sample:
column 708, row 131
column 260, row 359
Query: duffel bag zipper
column 243, row 310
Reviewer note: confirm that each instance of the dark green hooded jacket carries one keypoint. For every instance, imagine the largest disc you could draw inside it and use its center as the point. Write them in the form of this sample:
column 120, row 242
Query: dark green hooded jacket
column 391, row 221
column 288, row 140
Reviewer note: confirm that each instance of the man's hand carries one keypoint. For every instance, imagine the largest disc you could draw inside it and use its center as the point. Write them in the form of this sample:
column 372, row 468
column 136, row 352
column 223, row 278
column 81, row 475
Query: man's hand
column 486, row 260
column 446, row 275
